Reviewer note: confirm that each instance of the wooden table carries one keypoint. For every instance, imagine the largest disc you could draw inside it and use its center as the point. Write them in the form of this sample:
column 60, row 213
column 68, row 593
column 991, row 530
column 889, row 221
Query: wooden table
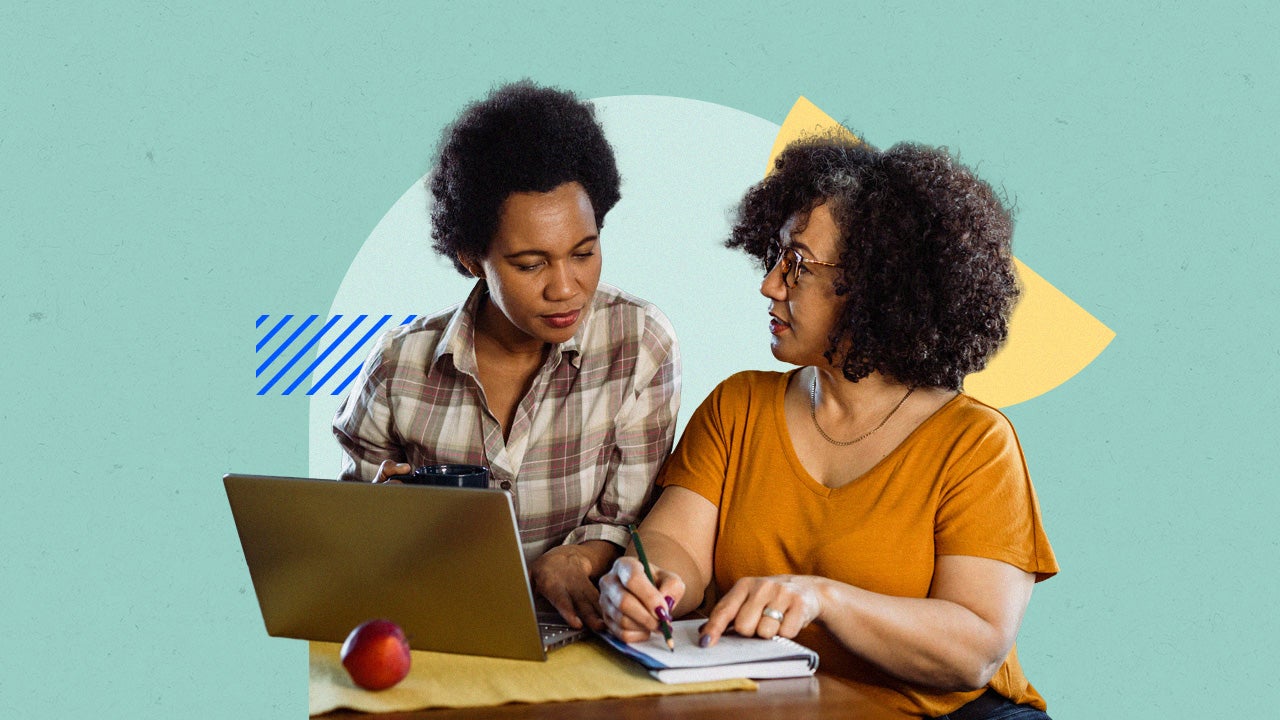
column 822, row 696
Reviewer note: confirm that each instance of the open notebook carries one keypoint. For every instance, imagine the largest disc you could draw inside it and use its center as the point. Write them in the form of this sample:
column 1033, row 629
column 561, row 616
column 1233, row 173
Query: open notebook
column 732, row 657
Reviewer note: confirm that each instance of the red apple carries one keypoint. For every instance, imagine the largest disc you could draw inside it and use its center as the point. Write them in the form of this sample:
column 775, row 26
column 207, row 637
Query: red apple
column 376, row 655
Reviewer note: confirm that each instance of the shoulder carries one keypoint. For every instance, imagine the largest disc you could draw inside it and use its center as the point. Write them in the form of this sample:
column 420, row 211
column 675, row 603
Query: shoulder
column 414, row 342
column 629, row 336
column 746, row 391
column 752, row 382
column 975, row 420
column 972, row 435
column 613, row 307
column 730, row 420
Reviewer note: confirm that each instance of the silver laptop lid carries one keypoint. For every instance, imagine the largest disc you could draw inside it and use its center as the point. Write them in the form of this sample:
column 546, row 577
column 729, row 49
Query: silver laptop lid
column 443, row 563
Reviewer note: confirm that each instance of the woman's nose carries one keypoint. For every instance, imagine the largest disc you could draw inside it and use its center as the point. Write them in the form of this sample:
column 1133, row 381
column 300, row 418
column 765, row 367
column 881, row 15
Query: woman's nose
column 560, row 282
column 773, row 286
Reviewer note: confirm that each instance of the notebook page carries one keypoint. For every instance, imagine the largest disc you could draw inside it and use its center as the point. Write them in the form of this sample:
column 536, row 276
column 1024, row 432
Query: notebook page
column 730, row 649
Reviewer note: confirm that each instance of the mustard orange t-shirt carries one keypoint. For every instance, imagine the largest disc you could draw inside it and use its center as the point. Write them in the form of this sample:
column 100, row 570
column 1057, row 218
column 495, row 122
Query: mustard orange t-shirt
column 958, row 485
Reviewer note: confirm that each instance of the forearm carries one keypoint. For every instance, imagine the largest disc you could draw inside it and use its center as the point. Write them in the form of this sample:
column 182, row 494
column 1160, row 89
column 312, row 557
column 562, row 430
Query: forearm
column 664, row 551
column 927, row 641
column 598, row 555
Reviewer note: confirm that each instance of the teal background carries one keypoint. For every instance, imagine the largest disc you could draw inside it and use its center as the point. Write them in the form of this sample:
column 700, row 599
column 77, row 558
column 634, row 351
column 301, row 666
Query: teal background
column 168, row 172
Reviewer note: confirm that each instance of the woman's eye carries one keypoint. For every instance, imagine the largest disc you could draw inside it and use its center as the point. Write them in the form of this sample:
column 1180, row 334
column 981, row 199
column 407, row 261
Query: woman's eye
column 584, row 255
column 528, row 268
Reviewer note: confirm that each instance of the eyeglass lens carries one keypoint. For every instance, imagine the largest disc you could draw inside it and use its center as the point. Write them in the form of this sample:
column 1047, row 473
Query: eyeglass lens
column 789, row 258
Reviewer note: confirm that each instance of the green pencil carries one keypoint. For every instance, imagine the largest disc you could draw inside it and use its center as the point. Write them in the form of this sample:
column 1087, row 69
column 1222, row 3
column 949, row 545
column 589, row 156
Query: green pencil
column 663, row 625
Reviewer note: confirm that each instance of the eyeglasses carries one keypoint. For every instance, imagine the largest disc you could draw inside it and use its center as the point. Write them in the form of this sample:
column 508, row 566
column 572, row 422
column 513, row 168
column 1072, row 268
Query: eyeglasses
column 792, row 262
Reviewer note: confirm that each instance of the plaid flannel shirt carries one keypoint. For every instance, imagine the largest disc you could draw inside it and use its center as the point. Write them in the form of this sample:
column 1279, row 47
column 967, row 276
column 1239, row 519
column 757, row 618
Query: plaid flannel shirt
column 586, row 440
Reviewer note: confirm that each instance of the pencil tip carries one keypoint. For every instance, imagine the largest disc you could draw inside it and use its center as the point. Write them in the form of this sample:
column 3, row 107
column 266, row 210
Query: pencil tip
column 671, row 645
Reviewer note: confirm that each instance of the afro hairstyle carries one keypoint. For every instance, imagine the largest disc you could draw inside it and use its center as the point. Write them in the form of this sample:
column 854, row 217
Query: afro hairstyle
column 521, row 138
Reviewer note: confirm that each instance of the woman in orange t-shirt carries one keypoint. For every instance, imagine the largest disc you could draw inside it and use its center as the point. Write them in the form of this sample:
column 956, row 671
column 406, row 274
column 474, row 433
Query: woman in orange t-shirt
column 861, row 503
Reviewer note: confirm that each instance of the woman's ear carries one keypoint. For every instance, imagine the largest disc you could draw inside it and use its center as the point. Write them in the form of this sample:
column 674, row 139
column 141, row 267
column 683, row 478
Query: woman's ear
column 472, row 266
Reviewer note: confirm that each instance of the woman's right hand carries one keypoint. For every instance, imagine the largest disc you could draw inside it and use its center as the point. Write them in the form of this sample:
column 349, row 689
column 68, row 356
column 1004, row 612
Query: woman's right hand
column 631, row 605
column 389, row 468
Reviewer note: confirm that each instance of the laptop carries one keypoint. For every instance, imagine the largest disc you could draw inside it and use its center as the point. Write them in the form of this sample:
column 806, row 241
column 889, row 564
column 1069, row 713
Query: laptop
column 443, row 563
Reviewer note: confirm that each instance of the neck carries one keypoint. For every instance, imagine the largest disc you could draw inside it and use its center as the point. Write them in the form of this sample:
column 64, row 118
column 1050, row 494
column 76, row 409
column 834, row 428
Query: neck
column 866, row 400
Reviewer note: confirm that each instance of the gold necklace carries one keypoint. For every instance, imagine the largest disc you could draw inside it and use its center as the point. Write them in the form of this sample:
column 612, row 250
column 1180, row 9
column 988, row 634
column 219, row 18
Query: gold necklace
column 813, row 413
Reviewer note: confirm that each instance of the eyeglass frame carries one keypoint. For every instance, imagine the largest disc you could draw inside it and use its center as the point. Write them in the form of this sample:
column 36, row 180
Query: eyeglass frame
column 792, row 268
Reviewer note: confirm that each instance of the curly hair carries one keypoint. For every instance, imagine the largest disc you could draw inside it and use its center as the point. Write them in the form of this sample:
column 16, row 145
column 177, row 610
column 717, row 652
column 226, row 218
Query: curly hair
column 521, row 138
column 926, row 275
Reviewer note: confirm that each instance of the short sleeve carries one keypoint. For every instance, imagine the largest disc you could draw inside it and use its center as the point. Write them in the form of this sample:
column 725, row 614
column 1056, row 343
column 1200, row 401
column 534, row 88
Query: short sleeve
column 988, row 507
column 701, row 458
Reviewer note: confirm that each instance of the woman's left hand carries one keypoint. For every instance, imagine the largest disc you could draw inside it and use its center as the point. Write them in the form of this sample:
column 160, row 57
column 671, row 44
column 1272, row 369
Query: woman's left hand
column 564, row 576
column 794, row 597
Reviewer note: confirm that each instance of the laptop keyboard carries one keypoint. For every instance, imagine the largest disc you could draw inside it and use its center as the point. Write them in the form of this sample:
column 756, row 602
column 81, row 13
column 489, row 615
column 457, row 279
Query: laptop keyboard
column 556, row 635
column 550, row 632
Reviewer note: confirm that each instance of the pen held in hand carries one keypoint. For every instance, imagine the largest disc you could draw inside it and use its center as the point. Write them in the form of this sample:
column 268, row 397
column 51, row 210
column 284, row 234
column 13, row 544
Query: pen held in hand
column 663, row 613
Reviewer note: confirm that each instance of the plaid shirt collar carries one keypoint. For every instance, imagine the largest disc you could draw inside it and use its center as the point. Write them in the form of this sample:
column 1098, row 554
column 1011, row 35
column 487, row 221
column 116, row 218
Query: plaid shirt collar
column 459, row 337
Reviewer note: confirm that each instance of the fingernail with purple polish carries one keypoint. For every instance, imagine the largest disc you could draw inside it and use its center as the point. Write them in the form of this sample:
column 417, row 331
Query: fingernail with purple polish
column 671, row 602
column 704, row 641
column 662, row 614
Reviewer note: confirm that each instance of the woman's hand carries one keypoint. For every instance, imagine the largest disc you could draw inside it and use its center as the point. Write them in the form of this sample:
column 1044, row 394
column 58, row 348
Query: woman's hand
column 679, row 536
column 389, row 468
column 563, row 575
column 753, row 604
column 631, row 605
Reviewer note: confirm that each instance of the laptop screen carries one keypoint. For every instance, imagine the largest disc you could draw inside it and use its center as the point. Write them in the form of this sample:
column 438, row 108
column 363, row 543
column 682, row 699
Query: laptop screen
column 443, row 563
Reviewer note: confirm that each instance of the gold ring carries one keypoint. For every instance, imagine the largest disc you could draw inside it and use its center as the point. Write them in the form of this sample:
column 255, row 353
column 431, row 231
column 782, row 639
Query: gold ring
column 771, row 613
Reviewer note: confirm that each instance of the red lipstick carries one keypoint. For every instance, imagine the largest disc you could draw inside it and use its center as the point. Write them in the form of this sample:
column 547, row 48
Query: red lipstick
column 562, row 320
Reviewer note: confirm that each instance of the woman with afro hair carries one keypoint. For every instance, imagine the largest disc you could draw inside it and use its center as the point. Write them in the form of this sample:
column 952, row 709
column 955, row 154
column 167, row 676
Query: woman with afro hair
column 861, row 503
column 565, row 388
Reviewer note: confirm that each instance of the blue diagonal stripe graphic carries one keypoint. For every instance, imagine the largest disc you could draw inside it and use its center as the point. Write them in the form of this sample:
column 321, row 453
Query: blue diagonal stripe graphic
column 272, row 333
column 288, row 341
column 298, row 355
column 324, row 354
column 343, row 360
column 338, row 390
column 338, row 367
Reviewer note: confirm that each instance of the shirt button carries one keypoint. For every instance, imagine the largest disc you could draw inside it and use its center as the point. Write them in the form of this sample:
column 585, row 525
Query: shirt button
column 505, row 485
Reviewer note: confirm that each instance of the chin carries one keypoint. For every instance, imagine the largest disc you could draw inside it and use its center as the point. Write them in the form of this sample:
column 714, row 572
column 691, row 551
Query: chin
column 792, row 356
column 781, row 354
column 557, row 335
